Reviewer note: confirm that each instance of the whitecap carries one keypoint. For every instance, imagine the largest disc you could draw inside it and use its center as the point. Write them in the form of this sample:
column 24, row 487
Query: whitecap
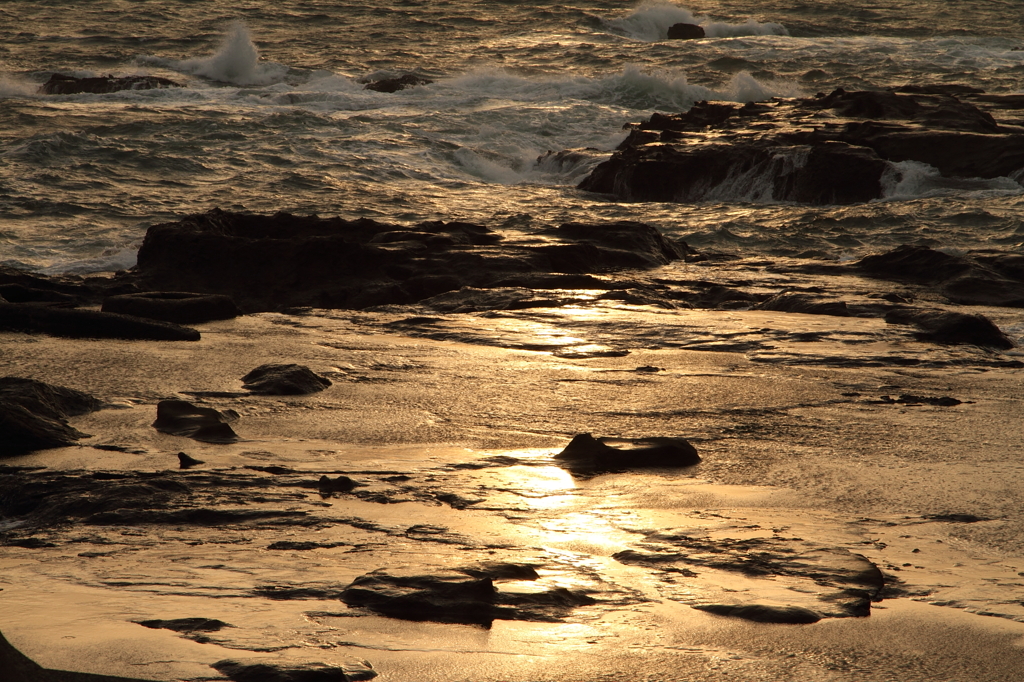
column 111, row 260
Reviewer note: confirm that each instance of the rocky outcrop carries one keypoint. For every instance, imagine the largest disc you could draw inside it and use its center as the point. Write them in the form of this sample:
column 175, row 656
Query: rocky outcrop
column 828, row 149
column 944, row 326
column 59, row 84
column 33, row 415
column 275, row 262
column 279, row 671
column 586, row 454
column 685, row 32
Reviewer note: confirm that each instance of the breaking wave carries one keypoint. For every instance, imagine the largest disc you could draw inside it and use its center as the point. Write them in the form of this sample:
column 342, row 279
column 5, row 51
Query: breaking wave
column 236, row 62
column 651, row 20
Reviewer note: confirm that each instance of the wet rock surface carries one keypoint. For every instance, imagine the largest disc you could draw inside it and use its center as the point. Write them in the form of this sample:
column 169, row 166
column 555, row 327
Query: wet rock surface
column 61, row 84
column 828, row 149
column 182, row 418
column 74, row 323
column 409, row 80
column 466, row 595
column 173, row 306
column 272, row 262
column 290, row 379
column 33, row 415
column 586, row 454
column 244, row 671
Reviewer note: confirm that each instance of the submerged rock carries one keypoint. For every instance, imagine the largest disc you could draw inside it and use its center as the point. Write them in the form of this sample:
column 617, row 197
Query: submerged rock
column 828, row 149
column 182, row 418
column 173, row 306
column 800, row 303
column 588, row 454
column 284, row 380
column 59, row 84
column 33, row 415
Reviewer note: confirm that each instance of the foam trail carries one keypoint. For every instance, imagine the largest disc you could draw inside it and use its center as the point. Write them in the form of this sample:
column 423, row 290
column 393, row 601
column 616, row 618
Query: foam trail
column 651, row 20
column 237, row 61
column 12, row 87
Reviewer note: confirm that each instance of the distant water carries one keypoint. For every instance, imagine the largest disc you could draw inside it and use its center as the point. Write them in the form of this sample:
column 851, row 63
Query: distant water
column 274, row 116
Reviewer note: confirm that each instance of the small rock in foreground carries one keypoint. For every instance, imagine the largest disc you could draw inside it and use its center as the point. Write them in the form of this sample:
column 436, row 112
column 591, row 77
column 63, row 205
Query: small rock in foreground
column 182, row 418
column 586, row 453
column 763, row 613
column 284, row 380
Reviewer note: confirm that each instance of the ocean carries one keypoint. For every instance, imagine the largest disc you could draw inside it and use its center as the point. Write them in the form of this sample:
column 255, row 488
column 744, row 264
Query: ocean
column 274, row 115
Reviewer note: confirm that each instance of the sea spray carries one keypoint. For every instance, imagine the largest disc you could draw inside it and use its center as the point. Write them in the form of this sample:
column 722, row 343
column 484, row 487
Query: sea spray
column 651, row 20
column 236, row 62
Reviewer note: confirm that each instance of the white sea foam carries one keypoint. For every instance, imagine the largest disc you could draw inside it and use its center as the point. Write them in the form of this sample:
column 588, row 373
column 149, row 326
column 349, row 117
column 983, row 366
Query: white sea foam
column 917, row 180
column 651, row 20
column 15, row 87
column 111, row 260
column 237, row 61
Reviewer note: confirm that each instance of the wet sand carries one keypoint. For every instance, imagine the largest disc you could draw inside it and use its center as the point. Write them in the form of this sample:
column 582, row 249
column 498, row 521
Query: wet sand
column 452, row 444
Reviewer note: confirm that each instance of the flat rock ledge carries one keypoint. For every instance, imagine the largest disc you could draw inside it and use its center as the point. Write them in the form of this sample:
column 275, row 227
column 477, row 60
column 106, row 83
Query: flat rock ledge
column 837, row 148
column 271, row 263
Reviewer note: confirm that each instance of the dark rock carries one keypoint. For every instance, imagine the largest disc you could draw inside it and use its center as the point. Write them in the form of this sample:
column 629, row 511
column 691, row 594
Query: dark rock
column 588, row 454
column 685, row 32
column 341, row 484
column 800, row 303
column 408, row 80
column 785, row 150
column 185, row 625
column 974, row 278
column 283, row 261
column 284, row 380
column 33, row 415
column 763, row 613
column 19, row 293
column 465, row 595
column 59, row 84
column 182, row 418
column 247, row 671
column 174, row 306
column 72, row 323
column 186, row 462
column 941, row 326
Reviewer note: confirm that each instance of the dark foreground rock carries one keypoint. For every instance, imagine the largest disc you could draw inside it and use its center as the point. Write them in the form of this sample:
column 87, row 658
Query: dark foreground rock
column 284, row 380
column 33, row 415
column 280, row 261
column 182, row 418
column 588, row 454
column 828, row 149
column 59, row 84
column 247, row 671
column 173, row 306
column 465, row 595
column 73, row 323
